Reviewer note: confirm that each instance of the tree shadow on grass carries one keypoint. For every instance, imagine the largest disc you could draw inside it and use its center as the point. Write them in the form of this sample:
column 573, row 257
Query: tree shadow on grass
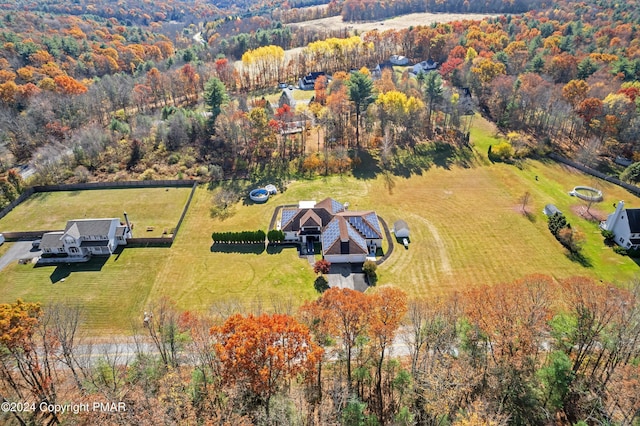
column 237, row 248
column 368, row 167
column 580, row 258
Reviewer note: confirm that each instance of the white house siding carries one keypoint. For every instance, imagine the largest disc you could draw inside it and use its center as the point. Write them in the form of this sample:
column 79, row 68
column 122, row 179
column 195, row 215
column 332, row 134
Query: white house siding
column 346, row 258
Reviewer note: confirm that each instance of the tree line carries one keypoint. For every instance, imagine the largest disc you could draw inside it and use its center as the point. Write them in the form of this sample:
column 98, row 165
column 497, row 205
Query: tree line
column 532, row 352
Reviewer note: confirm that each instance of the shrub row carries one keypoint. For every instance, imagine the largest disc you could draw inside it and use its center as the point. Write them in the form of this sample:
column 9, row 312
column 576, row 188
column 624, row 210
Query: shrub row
column 275, row 236
column 251, row 237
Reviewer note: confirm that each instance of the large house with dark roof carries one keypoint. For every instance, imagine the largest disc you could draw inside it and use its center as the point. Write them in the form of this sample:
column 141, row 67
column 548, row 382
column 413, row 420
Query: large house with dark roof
column 308, row 82
column 83, row 238
column 625, row 225
column 346, row 236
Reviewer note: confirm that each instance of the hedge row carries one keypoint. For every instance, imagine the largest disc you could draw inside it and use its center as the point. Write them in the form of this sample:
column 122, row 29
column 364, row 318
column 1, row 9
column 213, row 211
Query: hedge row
column 252, row 237
column 275, row 236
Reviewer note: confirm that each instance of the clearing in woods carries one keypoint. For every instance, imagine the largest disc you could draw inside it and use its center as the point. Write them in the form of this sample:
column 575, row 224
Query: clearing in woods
column 464, row 228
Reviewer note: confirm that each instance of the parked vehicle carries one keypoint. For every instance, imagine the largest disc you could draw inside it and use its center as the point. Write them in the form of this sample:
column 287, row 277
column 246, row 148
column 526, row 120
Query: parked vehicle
column 36, row 244
column 1, row 239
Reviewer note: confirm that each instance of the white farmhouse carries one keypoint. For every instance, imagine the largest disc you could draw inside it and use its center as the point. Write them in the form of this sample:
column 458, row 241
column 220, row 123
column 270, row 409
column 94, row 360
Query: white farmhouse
column 83, row 238
column 625, row 225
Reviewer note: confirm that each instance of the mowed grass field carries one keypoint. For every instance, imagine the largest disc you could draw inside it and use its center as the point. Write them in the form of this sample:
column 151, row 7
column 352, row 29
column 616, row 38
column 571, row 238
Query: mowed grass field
column 466, row 231
column 157, row 208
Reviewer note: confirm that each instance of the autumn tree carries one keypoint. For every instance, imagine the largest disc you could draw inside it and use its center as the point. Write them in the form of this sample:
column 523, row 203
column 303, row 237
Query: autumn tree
column 265, row 352
column 388, row 307
column 26, row 362
column 342, row 313
column 322, row 266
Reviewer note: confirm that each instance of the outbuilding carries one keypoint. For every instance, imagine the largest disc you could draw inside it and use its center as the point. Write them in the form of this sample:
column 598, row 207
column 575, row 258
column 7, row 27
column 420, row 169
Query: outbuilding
column 401, row 229
column 550, row 210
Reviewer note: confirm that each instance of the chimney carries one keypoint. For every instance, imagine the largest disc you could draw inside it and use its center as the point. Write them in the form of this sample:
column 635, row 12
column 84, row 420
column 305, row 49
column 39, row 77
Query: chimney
column 128, row 231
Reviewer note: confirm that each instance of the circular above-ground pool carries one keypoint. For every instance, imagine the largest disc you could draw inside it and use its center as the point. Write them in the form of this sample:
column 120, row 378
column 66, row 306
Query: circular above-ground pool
column 271, row 189
column 259, row 195
column 587, row 193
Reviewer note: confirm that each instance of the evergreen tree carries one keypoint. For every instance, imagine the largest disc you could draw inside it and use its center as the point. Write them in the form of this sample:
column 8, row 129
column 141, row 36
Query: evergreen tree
column 360, row 88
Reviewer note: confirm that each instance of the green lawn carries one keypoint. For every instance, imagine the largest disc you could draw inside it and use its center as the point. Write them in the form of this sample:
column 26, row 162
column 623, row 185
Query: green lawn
column 157, row 208
column 466, row 230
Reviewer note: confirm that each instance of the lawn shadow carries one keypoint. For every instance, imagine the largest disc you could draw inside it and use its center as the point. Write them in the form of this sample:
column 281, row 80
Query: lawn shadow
column 367, row 168
column 580, row 258
column 64, row 270
column 278, row 248
column 237, row 248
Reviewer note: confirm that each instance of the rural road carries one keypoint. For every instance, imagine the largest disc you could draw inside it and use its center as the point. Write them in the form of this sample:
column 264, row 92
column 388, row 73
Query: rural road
column 20, row 250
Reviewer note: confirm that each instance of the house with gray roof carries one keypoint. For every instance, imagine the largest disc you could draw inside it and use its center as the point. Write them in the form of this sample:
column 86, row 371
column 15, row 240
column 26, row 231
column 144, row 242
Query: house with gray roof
column 83, row 238
column 346, row 236
column 625, row 225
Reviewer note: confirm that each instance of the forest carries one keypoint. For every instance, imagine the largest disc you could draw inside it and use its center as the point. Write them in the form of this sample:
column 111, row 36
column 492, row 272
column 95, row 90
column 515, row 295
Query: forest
column 530, row 352
column 567, row 76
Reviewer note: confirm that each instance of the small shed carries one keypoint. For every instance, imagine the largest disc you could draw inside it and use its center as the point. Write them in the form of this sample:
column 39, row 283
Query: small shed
column 550, row 210
column 401, row 229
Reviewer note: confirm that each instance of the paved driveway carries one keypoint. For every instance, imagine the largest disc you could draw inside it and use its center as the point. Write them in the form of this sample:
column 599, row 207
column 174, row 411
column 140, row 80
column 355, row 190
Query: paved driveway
column 345, row 275
column 19, row 250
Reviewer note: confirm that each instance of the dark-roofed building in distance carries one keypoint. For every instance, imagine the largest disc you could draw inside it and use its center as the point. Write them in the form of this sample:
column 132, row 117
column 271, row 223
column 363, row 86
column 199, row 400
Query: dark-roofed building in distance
column 346, row 236
column 625, row 225
column 308, row 82
column 83, row 238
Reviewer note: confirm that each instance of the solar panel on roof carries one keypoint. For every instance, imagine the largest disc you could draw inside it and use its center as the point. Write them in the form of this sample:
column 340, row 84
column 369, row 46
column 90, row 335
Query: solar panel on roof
column 357, row 238
column 373, row 221
column 362, row 226
column 287, row 215
column 331, row 233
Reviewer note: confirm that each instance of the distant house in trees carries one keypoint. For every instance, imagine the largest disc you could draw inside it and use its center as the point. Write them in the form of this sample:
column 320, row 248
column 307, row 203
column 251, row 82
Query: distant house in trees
column 346, row 236
column 83, row 238
column 424, row 66
column 376, row 73
column 308, row 81
column 625, row 225
column 399, row 60
column 286, row 98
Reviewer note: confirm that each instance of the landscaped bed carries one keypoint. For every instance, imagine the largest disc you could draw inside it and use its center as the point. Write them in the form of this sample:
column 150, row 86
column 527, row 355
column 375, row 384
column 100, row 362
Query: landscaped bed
column 151, row 210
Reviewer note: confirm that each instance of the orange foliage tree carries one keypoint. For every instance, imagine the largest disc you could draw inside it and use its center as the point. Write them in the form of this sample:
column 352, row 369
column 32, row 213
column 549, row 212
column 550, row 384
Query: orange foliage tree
column 343, row 313
column 264, row 352
column 69, row 85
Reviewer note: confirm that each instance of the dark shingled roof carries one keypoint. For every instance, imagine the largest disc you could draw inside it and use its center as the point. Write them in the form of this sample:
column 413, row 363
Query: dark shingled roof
column 87, row 227
column 51, row 240
column 634, row 220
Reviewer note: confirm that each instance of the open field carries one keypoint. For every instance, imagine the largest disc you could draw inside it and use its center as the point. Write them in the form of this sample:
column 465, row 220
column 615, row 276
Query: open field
column 398, row 23
column 466, row 230
column 157, row 208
